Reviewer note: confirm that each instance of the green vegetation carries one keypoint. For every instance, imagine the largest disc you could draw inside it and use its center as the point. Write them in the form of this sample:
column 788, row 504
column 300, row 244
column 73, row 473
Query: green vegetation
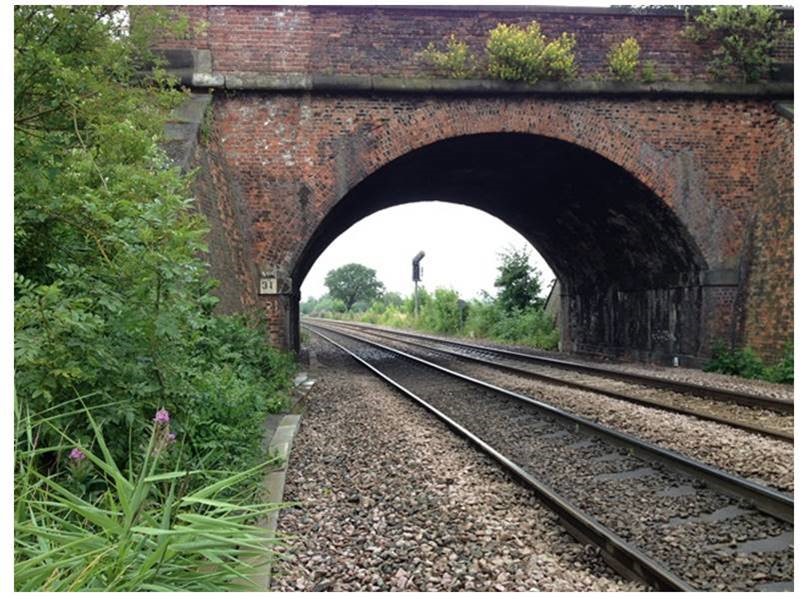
column 456, row 61
column 89, row 525
column 623, row 60
column 114, row 305
column 649, row 72
column 515, row 315
column 525, row 54
column 353, row 283
column 746, row 363
column 513, row 53
column 745, row 38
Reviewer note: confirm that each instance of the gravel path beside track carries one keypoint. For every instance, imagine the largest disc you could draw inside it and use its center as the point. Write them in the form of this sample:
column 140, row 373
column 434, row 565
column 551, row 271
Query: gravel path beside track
column 390, row 499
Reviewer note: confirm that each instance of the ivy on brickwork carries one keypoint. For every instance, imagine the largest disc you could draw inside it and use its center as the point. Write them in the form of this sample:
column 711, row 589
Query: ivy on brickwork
column 207, row 124
column 745, row 36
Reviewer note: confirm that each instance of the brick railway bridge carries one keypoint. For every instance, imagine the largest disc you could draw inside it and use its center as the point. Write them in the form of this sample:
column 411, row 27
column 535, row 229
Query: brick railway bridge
column 665, row 209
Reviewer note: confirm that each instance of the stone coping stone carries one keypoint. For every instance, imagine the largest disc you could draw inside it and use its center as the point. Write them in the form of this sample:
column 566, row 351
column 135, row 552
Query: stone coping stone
column 313, row 82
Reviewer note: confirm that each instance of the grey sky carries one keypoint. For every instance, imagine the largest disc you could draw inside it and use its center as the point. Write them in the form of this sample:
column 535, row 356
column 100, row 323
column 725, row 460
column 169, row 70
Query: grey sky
column 461, row 246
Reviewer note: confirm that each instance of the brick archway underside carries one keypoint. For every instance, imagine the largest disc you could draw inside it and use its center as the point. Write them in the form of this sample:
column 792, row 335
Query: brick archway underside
column 629, row 269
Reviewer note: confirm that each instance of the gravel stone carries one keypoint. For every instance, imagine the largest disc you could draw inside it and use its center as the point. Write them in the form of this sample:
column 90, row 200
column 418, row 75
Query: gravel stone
column 388, row 499
column 762, row 459
column 687, row 375
column 639, row 500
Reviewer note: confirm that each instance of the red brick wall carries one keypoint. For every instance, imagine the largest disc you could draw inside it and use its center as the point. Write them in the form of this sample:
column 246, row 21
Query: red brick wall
column 284, row 146
column 295, row 156
column 769, row 316
column 385, row 41
column 279, row 163
column 229, row 242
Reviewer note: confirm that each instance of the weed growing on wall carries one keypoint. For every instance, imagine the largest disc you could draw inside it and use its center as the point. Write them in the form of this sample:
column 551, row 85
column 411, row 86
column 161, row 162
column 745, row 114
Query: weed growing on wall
column 455, row 61
column 623, row 59
column 745, row 38
column 518, row 53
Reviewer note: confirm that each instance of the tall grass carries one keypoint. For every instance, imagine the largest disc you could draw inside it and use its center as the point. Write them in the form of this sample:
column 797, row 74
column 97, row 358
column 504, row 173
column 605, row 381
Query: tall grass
column 82, row 524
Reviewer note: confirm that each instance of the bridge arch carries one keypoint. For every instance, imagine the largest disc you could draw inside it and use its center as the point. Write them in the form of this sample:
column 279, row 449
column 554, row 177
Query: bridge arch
column 629, row 267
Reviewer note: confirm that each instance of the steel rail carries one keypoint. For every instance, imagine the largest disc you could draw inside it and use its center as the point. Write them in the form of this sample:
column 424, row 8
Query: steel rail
column 785, row 406
column 765, row 499
column 623, row 557
column 753, row 428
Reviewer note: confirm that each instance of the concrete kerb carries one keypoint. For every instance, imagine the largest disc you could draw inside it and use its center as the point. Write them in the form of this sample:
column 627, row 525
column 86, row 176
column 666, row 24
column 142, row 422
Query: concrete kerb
column 280, row 432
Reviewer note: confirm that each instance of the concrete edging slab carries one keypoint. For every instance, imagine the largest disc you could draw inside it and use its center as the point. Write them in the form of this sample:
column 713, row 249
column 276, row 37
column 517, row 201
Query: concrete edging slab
column 279, row 445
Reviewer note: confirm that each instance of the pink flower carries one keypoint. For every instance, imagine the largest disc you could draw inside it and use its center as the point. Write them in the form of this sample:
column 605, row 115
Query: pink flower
column 77, row 455
column 162, row 416
column 171, row 437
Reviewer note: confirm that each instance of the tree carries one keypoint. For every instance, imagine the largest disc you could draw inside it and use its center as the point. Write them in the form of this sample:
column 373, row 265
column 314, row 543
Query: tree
column 353, row 282
column 518, row 281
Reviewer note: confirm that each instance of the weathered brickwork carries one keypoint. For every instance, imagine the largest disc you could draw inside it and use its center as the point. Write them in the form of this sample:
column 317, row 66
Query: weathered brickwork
column 667, row 218
column 769, row 318
column 294, row 157
column 221, row 202
column 386, row 41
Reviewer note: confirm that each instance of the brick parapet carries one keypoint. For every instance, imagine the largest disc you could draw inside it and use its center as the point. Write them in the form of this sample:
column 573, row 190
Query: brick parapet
column 386, row 41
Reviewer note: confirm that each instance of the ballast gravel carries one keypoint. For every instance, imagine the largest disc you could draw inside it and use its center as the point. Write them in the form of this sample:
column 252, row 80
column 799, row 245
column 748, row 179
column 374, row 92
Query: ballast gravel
column 762, row 459
column 685, row 375
column 388, row 498
column 641, row 501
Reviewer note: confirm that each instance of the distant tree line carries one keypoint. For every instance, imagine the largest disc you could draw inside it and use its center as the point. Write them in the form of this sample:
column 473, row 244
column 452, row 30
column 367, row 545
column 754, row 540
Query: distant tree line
column 514, row 314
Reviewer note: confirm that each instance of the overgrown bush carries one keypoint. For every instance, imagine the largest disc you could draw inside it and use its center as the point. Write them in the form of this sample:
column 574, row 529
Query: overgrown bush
column 456, row 61
column 745, row 38
column 442, row 314
column 488, row 320
column 783, row 370
column 114, row 304
column 517, row 53
column 745, row 362
column 623, row 58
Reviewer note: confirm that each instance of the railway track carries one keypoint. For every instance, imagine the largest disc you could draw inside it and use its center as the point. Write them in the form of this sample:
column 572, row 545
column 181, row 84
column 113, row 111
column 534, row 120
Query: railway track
column 656, row 515
column 774, row 423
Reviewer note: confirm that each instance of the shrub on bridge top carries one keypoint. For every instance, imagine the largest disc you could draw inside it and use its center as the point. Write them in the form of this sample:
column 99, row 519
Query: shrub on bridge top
column 525, row 54
column 745, row 36
column 456, row 61
column 623, row 58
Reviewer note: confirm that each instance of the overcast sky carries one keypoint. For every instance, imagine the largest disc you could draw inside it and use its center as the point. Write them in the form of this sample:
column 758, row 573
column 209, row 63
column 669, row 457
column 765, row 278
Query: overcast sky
column 461, row 248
